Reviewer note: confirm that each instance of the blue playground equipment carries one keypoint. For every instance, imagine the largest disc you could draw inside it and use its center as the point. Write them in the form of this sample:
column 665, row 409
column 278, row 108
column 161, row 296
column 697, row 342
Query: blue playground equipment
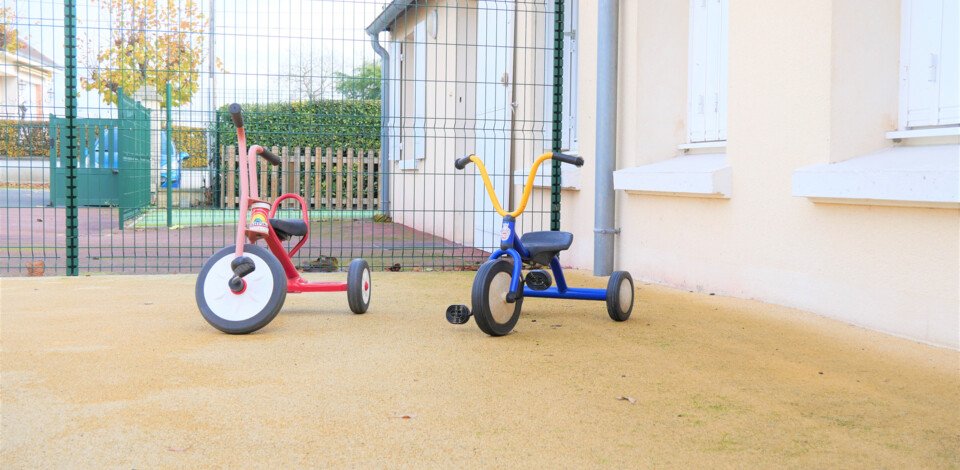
column 109, row 157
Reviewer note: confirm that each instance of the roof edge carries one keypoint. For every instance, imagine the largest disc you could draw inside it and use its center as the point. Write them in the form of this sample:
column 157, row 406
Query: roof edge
column 388, row 16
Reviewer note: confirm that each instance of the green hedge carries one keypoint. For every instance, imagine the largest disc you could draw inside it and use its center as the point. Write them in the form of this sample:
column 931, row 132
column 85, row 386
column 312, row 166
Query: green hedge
column 24, row 138
column 325, row 123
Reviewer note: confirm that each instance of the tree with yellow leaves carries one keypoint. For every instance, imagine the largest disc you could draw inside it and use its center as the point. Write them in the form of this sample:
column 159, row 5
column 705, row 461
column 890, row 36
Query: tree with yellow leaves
column 153, row 42
column 8, row 35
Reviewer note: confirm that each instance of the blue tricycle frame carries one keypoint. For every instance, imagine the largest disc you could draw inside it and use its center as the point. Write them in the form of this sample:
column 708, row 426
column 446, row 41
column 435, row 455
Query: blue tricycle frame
column 497, row 303
column 519, row 254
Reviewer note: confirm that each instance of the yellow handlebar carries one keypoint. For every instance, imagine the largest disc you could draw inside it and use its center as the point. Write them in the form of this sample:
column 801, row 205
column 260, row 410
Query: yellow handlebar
column 527, row 189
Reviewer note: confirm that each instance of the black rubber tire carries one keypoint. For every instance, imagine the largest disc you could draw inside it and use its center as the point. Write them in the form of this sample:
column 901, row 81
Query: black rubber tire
column 359, row 286
column 261, row 319
column 481, row 294
column 615, row 305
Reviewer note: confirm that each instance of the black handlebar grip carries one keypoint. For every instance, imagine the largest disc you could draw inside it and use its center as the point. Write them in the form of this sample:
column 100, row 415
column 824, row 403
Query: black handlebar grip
column 560, row 157
column 270, row 157
column 237, row 114
column 462, row 163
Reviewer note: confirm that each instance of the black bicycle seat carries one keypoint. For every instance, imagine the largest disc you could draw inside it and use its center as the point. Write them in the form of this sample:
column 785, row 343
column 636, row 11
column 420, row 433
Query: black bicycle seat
column 287, row 228
column 543, row 246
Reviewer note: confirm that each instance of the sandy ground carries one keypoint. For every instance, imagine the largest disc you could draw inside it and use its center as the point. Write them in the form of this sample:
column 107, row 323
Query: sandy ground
column 123, row 372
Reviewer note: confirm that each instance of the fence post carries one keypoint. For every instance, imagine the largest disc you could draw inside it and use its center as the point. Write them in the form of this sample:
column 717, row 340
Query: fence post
column 222, row 177
column 328, row 177
column 169, row 158
column 70, row 93
column 307, row 157
column 318, row 177
column 557, row 137
column 274, row 176
column 285, row 176
column 349, row 176
column 294, row 174
column 231, row 176
column 369, row 177
column 339, row 193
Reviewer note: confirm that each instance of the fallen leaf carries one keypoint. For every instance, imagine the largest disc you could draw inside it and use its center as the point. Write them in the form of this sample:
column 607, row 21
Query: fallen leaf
column 404, row 416
column 629, row 399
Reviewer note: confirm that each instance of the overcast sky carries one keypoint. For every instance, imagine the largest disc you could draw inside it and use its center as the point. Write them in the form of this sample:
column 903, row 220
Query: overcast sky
column 259, row 42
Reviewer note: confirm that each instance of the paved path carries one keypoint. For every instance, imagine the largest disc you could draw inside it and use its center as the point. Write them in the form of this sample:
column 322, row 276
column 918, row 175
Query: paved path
column 39, row 233
column 121, row 371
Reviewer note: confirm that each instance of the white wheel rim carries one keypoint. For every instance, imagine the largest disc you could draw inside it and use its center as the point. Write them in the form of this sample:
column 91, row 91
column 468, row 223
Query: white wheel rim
column 365, row 286
column 626, row 295
column 500, row 309
column 238, row 307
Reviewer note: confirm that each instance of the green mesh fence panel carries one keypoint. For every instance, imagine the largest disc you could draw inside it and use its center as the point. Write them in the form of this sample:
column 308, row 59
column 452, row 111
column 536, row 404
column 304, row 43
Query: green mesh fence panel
column 368, row 140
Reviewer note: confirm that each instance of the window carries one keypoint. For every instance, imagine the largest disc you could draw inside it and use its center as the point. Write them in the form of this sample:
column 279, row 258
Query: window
column 569, row 133
column 38, row 100
column 411, row 94
column 707, row 97
column 928, row 63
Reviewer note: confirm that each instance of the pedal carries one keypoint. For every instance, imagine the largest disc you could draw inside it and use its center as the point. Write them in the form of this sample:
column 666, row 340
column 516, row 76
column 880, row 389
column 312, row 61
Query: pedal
column 241, row 267
column 458, row 314
column 538, row 279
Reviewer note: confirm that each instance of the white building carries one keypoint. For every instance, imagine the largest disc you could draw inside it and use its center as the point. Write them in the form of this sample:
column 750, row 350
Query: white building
column 26, row 83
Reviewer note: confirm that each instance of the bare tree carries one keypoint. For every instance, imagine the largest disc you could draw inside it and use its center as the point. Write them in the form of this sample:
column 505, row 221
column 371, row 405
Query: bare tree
column 311, row 78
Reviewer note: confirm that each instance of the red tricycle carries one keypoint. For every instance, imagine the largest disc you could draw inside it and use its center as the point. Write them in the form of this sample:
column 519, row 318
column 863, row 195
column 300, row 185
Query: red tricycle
column 241, row 288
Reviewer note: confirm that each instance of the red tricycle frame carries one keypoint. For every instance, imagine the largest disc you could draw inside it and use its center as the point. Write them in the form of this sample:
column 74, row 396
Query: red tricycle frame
column 248, row 196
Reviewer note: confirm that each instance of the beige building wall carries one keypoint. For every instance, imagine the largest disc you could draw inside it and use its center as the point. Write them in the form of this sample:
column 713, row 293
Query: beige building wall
column 425, row 192
column 809, row 82
column 429, row 194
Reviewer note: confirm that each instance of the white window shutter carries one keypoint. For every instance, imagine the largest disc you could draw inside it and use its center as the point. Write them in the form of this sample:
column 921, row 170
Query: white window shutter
column 711, row 112
column 949, row 80
column 395, row 106
column 707, row 96
column 569, row 132
column 922, row 21
column 696, row 98
column 420, row 92
column 724, row 58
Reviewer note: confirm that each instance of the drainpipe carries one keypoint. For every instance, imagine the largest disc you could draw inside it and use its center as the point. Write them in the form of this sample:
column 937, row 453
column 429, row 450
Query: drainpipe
column 606, row 157
column 384, row 119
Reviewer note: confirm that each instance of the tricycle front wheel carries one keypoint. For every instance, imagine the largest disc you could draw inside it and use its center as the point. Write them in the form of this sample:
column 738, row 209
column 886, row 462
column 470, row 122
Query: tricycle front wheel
column 494, row 315
column 263, row 293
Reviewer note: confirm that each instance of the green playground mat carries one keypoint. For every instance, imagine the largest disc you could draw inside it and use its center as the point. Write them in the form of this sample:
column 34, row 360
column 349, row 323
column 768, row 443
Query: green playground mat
column 208, row 217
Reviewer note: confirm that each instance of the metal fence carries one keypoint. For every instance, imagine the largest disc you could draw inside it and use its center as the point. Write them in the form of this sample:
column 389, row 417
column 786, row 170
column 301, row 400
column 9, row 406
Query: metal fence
column 117, row 156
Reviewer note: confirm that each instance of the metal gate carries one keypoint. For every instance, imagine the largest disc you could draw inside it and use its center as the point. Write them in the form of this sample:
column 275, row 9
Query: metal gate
column 113, row 164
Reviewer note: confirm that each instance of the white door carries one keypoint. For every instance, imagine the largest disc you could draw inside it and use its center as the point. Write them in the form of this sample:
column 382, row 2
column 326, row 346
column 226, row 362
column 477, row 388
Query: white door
column 495, row 20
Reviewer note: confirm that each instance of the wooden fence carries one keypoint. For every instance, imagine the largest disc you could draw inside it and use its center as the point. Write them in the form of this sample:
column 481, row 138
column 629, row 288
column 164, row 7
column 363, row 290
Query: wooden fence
column 343, row 179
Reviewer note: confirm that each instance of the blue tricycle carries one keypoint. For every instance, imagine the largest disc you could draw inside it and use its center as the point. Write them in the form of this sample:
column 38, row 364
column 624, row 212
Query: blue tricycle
column 499, row 286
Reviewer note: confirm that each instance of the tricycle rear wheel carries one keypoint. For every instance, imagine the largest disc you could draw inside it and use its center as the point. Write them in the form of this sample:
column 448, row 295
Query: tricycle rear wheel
column 359, row 286
column 620, row 295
